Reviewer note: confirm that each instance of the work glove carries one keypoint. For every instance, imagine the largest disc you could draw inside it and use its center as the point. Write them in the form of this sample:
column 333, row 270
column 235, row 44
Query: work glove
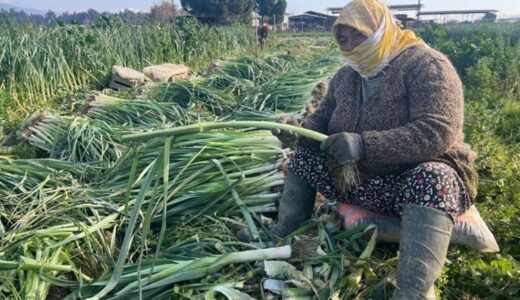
column 289, row 139
column 344, row 147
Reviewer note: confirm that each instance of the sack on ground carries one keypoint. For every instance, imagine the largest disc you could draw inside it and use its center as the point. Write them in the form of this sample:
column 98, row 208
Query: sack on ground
column 123, row 78
column 166, row 72
column 470, row 229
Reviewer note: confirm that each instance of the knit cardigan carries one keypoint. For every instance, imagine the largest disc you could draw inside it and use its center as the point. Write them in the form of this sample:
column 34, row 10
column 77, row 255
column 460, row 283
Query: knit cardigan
column 415, row 116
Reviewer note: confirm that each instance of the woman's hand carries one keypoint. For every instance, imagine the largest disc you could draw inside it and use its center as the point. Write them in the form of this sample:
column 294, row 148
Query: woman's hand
column 289, row 139
column 344, row 147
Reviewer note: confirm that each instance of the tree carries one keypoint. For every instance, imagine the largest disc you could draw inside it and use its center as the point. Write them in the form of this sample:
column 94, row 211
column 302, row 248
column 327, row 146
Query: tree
column 50, row 17
column 279, row 9
column 220, row 11
column 241, row 10
column 90, row 18
column 271, row 8
column 265, row 7
column 164, row 13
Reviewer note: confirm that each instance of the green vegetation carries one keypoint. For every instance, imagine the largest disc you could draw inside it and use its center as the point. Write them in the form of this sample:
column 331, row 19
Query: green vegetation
column 84, row 210
column 40, row 63
column 488, row 58
column 220, row 12
column 274, row 9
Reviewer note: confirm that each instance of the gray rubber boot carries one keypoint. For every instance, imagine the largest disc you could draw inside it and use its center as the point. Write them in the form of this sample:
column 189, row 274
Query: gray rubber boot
column 296, row 206
column 425, row 237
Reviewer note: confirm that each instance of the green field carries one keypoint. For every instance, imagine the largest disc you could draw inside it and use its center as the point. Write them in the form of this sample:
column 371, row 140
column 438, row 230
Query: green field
column 86, row 212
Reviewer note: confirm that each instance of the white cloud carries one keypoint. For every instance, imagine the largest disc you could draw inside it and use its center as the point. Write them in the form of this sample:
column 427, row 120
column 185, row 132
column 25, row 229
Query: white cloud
column 6, row 1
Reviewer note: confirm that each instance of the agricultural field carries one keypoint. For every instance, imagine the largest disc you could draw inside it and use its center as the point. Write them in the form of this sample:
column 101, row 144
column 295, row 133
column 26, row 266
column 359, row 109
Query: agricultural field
column 126, row 195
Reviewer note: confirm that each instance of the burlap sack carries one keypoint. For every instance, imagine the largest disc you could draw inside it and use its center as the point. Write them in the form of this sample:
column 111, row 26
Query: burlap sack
column 123, row 77
column 166, row 72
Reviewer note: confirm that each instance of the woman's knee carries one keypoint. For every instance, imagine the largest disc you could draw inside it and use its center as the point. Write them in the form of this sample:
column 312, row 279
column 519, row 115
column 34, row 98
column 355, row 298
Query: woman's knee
column 433, row 185
column 438, row 175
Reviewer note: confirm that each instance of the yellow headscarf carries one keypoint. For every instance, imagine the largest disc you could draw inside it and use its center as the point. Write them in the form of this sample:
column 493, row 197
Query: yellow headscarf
column 385, row 39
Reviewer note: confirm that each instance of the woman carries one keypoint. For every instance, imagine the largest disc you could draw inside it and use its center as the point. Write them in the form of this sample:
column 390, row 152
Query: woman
column 396, row 111
column 263, row 33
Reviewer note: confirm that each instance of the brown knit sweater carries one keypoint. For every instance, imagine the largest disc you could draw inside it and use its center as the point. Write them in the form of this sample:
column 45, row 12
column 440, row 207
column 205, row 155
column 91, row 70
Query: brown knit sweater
column 416, row 116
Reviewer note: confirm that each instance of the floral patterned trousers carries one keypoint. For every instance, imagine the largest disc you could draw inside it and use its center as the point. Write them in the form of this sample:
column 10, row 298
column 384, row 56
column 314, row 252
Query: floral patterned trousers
column 432, row 184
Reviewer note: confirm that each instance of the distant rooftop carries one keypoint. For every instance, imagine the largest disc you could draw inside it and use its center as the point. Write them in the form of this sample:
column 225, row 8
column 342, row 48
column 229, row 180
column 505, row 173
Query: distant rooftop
column 406, row 7
column 402, row 7
column 306, row 16
column 311, row 15
column 457, row 12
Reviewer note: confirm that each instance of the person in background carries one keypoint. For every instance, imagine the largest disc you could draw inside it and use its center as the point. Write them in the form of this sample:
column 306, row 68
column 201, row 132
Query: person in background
column 396, row 111
column 263, row 33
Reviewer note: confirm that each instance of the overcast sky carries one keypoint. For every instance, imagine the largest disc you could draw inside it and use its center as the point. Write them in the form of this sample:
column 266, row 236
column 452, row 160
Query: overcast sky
column 509, row 7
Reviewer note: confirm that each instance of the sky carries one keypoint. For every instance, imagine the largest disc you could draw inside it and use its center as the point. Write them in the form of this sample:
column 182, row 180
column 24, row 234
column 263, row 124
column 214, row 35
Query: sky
column 509, row 7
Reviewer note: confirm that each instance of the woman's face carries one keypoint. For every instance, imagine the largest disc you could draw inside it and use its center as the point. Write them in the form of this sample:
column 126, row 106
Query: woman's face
column 348, row 37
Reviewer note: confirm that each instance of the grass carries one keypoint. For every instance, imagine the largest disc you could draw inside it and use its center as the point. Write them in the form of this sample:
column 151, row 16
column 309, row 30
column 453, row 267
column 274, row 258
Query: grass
column 56, row 61
column 84, row 212
column 168, row 201
column 490, row 75
column 76, row 139
column 510, row 123
column 137, row 113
